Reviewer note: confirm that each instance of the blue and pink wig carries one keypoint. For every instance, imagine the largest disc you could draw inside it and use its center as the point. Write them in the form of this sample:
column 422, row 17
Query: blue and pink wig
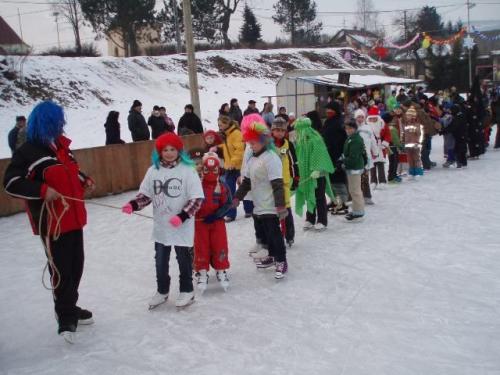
column 254, row 128
column 45, row 123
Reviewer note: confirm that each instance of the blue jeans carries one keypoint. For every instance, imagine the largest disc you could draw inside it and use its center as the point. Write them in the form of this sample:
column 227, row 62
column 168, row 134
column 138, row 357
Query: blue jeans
column 230, row 178
column 426, row 152
column 248, row 207
column 185, row 261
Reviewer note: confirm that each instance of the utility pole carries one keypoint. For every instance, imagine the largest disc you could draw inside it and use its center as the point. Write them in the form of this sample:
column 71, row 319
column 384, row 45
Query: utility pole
column 20, row 24
column 177, row 28
column 188, row 36
column 405, row 25
column 56, row 15
column 470, row 49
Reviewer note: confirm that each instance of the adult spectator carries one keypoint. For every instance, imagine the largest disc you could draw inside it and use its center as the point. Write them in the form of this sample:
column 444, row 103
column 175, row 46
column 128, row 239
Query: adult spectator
column 189, row 123
column 235, row 111
column 267, row 114
column 17, row 136
column 168, row 121
column 112, row 127
column 282, row 113
column 137, row 123
column 252, row 108
column 157, row 123
column 402, row 97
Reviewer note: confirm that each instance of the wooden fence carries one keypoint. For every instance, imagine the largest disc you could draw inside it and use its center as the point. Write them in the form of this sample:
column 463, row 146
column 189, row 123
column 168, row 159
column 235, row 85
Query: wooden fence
column 114, row 168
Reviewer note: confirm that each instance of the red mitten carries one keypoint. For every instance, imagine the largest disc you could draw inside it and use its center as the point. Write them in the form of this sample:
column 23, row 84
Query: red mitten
column 127, row 209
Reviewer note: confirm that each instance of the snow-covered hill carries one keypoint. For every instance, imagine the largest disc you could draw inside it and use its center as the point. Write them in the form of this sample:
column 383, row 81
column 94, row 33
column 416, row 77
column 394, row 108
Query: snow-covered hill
column 90, row 87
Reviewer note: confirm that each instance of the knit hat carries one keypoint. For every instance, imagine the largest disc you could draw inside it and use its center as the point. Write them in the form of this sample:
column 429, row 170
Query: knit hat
column 411, row 112
column 136, row 104
column 359, row 113
column 279, row 123
column 226, row 120
column 254, row 128
column 217, row 137
column 373, row 111
column 168, row 139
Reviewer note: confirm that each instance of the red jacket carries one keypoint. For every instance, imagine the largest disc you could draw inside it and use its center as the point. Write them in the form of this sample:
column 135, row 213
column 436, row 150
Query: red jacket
column 214, row 203
column 33, row 169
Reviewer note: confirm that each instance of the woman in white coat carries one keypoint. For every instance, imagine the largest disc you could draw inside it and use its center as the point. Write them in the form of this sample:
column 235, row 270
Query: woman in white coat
column 372, row 151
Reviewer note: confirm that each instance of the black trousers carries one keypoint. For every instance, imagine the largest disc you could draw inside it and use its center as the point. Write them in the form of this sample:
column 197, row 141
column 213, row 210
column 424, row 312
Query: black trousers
column 260, row 231
column 185, row 261
column 68, row 256
column 461, row 152
column 270, row 226
column 289, row 226
column 321, row 211
column 393, row 163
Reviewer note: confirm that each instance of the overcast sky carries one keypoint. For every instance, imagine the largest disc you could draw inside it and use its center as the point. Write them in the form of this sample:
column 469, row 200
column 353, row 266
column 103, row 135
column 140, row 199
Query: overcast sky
column 39, row 28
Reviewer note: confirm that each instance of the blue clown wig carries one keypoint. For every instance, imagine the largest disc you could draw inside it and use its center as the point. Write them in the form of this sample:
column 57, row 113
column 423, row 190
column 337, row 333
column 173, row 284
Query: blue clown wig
column 45, row 123
column 183, row 158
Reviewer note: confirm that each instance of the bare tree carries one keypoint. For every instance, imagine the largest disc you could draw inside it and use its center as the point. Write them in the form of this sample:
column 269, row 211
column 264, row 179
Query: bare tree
column 228, row 7
column 72, row 12
column 366, row 16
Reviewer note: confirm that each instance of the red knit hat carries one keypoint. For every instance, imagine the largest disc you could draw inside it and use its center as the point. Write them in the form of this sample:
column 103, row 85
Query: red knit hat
column 373, row 111
column 217, row 138
column 168, row 139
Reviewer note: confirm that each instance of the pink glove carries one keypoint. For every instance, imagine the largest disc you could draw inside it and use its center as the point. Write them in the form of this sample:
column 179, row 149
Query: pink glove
column 213, row 149
column 127, row 209
column 175, row 221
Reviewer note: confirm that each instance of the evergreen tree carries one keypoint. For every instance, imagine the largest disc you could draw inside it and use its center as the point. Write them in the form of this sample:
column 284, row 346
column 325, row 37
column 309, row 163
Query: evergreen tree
column 297, row 17
column 250, row 32
column 120, row 17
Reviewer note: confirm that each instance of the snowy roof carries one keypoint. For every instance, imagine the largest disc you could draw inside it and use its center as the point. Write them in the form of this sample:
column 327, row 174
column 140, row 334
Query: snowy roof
column 358, row 81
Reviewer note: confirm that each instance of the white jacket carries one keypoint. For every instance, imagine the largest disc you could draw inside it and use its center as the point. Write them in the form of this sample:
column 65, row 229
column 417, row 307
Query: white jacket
column 366, row 132
column 381, row 145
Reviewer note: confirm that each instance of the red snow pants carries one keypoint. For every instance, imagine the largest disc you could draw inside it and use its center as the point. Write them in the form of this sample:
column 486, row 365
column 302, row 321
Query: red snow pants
column 210, row 246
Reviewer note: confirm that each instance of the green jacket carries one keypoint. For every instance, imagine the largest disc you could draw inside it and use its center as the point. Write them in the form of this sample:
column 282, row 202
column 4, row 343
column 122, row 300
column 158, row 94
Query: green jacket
column 396, row 141
column 354, row 151
column 391, row 103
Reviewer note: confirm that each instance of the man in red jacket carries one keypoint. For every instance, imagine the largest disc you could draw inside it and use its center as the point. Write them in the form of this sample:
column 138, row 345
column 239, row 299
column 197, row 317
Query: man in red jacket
column 42, row 172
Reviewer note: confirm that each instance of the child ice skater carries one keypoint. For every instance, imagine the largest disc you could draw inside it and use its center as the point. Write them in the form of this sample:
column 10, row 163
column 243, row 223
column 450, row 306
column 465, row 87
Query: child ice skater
column 174, row 188
column 263, row 175
column 210, row 237
column 286, row 151
column 315, row 167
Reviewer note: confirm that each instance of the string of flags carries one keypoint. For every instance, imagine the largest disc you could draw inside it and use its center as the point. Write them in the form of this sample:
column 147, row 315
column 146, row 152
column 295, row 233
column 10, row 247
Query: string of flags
column 381, row 48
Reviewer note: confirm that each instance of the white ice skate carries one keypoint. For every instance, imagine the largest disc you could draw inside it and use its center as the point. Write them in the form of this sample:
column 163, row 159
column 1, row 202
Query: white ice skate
column 254, row 249
column 223, row 279
column 308, row 226
column 261, row 254
column 319, row 227
column 184, row 299
column 69, row 337
column 157, row 300
column 202, row 280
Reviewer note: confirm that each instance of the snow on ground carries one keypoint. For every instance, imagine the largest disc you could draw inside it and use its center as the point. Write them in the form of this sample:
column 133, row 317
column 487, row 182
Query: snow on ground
column 90, row 87
column 414, row 289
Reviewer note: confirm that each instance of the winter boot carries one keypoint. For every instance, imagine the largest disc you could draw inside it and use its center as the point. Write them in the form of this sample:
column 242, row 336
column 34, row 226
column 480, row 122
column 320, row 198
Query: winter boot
column 257, row 257
column 290, row 243
column 447, row 164
column 157, row 300
column 67, row 330
column 202, row 280
column 223, row 279
column 281, row 269
column 84, row 317
column 265, row 262
column 341, row 209
column 184, row 299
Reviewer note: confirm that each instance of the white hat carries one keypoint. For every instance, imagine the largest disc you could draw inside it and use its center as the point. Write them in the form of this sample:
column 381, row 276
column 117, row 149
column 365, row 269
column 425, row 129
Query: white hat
column 359, row 112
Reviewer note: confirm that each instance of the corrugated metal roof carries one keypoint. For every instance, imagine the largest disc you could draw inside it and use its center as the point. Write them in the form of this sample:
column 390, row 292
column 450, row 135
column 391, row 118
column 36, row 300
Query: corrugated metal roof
column 357, row 81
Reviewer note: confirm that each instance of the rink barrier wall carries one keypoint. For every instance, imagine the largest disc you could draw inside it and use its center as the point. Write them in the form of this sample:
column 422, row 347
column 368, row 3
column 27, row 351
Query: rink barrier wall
column 114, row 168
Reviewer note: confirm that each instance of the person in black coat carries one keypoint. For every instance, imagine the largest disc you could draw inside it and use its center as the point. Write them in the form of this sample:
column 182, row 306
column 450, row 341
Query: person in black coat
column 137, row 123
column 335, row 136
column 252, row 108
column 235, row 111
column 458, row 127
column 475, row 129
column 189, row 123
column 157, row 123
column 112, row 127
column 315, row 120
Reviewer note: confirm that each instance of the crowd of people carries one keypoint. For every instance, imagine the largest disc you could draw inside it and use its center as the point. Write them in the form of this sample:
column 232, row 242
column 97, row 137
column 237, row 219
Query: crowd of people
column 256, row 158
